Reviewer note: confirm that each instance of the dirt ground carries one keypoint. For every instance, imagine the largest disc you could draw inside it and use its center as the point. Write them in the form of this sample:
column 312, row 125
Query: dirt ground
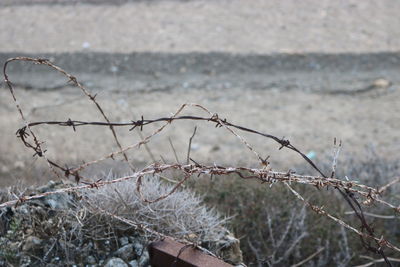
column 260, row 65
column 234, row 26
column 309, row 119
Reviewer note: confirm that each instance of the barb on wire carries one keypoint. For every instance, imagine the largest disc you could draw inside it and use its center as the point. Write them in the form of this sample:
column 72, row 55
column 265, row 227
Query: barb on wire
column 214, row 118
column 71, row 79
column 263, row 175
column 350, row 191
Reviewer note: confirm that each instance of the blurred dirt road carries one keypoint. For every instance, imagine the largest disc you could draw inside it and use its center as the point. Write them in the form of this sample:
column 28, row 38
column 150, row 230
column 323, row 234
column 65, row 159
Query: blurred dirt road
column 235, row 26
column 307, row 70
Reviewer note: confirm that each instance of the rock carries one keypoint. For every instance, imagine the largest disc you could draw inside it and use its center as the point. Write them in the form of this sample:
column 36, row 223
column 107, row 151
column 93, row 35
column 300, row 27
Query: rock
column 23, row 209
column 32, row 244
column 132, row 239
column 134, row 263
column 25, row 261
column 138, row 248
column 123, row 241
column 115, row 262
column 47, row 187
column 56, row 201
column 144, row 259
column 91, row 260
column 381, row 83
column 55, row 261
column 126, row 252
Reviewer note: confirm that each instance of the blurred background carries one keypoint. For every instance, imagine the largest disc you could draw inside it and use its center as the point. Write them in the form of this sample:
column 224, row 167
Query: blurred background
column 309, row 71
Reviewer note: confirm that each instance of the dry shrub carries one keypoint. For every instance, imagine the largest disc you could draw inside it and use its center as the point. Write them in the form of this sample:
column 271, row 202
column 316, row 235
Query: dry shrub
column 275, row 230
column 181, row 215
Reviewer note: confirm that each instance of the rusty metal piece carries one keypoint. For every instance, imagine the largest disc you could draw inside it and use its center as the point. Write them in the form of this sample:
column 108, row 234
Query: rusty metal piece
column 169, row 252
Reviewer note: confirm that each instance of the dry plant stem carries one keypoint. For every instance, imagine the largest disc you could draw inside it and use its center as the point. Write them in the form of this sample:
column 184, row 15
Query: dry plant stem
column 374, row 261
column 387, row 217
column 174, row 150
column 178, row 184
column 321, row 211
column 190, row 145
column 169, row 180
column 336, row 152
column 151, row 231
column 146, row 147
column 256, row 254
column 308, row 258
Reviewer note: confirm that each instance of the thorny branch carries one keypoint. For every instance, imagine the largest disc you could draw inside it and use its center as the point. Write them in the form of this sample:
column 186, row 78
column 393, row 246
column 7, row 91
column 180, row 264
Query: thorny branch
column 348, row 189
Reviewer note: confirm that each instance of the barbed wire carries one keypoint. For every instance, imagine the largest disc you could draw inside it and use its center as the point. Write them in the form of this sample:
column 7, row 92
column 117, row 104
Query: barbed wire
column 349, row 190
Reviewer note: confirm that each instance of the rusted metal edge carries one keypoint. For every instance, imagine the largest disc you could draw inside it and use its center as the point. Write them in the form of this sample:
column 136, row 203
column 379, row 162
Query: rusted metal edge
column 169, row 252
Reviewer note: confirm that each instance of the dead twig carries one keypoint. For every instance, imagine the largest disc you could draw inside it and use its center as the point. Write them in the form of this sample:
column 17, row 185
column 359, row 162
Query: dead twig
column 190, row 145
column 373, row 261
column 309, row 257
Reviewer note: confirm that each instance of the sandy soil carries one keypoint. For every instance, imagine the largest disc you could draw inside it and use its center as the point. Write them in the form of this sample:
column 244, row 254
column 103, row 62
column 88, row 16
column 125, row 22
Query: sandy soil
column 310, row 106
column 235, row 26
column 309, row 119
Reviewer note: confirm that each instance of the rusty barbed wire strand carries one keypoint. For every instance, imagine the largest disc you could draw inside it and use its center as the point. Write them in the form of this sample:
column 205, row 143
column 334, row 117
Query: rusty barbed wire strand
column 71, row 78
column 263, row 175
column 386, row 186
column 214, row 118
column 346, row 189
column 23, row 134
column 321, row 211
